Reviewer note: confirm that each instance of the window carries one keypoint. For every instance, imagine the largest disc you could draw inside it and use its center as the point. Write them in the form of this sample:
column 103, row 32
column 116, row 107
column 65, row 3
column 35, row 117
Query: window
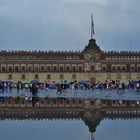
column 80, row 68
column 10, row 68
column 132, row 68
column 61, row 68
column 73, row 76
column 138, row 68
column 61, row 76
column 29, row 68
column 54, row 102
column 23, row 77
column 138, row 76
column 92, row 68
column 123, row 68
column 74, row 68
column 67, row 102
column 36, row 76
column 74, row 102
column 36, row 68
column 118, row 68
column 113, row 68
column 16, row 68
column 55, row 68
column 128, row 76
column 118, row 76
column 42, row 68
column 104, row 68
column 23, row 68
column 3, row 68
column 48, row 68
column 108, row 76
column 99, row 65
column 10, row 76
column 67, row 68
column 48, row 76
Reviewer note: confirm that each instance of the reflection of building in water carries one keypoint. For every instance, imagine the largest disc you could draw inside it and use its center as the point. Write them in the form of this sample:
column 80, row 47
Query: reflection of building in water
column 91, row 64
column 91, row 117
column 92, row 124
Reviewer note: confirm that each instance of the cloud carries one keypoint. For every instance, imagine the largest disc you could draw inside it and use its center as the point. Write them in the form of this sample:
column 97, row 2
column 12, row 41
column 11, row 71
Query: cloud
column 45, row 25
column 99, row 2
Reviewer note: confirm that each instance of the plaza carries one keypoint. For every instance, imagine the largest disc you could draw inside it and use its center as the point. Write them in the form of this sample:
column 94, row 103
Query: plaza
column 128, row 94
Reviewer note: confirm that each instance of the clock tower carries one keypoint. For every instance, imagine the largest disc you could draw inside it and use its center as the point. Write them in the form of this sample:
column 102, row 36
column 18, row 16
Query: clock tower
column 92, row 55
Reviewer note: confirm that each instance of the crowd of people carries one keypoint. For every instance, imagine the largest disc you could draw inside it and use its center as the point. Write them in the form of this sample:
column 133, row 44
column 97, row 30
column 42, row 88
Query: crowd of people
column 62, row 86
column 32, row 88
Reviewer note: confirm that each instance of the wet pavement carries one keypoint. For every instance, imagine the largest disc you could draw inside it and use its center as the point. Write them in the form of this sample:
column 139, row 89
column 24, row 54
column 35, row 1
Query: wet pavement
column 128, row 94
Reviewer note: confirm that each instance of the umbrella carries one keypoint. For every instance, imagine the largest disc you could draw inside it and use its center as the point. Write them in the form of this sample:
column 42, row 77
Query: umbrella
column 84, row 81
column 26, row 81
column 125, row 82
column 35, row 81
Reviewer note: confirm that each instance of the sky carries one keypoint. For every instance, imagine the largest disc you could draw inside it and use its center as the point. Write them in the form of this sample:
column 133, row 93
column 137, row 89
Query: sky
column 66, row 24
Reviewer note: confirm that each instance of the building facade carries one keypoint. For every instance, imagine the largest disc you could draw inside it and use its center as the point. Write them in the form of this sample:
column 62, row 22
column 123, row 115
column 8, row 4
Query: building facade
column 91, row 64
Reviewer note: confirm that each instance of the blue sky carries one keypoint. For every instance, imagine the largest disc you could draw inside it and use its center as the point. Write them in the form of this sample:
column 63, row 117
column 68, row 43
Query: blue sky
column 65, row 24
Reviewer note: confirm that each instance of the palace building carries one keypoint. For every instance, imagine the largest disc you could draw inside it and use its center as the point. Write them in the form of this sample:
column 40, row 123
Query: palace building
column 91, row 64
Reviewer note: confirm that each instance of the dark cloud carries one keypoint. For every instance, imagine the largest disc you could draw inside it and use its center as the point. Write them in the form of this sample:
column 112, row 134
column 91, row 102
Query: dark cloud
column 65, row 24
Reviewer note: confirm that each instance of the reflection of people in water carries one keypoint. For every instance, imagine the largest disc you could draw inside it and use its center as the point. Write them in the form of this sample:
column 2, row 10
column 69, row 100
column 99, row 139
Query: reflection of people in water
column 59, row 88
column 34, row 94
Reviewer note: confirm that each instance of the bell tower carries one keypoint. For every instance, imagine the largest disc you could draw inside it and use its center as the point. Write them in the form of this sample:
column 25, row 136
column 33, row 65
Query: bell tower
column 92, row 54
column 92, row 47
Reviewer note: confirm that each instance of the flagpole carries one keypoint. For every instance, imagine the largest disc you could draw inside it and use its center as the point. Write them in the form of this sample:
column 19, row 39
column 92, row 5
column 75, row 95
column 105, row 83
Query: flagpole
column 92, row 27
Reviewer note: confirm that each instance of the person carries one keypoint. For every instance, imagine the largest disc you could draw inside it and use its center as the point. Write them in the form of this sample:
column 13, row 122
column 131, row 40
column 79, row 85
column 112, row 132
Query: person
column 47, row 86
column 26, row 87
column 59, row 88
column 18, row 87
column 137, row 87
column 120, row 88
column 26, row 96
column 34, row 94
column 10, row 87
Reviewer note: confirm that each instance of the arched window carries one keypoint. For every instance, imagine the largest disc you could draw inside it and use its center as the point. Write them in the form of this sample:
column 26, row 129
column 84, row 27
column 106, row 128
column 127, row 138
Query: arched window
column 48, row 68
column 10, row 69
column 36, row 76
column 36, row 68
column 42, row 68
column 16, row 69
column 61, row 68
column 104, row 68
column 23, row 68
column 3, row 69
column 55, row 68
column 118, row 68
column 113, row 68
column 138, row 68
column 23, row 77
column 29, row 68
column 74, row 68
column 10, row 76
column 80, row 68
column 92, row 68
column 67, row 68
column 123, row 68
